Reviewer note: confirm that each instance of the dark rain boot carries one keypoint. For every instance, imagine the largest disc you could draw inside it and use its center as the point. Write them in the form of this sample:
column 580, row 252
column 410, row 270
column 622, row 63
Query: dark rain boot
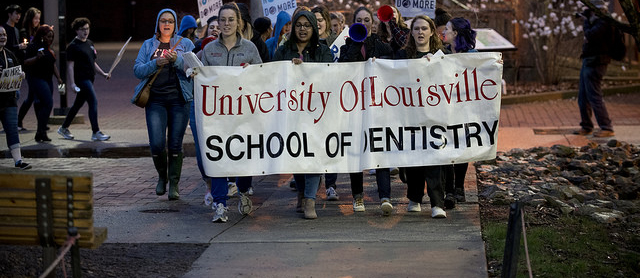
column 160, row 161
column 175, row 168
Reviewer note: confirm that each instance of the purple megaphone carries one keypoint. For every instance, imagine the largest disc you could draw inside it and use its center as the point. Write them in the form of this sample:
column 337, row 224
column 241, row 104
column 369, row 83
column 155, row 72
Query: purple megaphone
column 358, row 32
column 385, row 13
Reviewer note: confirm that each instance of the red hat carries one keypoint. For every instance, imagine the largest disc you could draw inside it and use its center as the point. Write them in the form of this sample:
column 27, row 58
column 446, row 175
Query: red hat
column 207, row 40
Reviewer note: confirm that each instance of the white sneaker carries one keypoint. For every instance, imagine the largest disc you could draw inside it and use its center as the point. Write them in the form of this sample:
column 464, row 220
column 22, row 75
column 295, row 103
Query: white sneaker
column 99, row 136
column 372, row 172
column 250, row 191
column 414, row 207
column 233, row 189
column 208, row 199
column 332, row 195
column 358, row 205
column 65, row 133
column 386, row 207
column 219, row 213
column 437, row 212
column 244, row 205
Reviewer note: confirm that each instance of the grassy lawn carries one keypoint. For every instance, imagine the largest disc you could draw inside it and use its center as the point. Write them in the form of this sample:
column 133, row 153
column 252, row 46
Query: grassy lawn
column 569, row 247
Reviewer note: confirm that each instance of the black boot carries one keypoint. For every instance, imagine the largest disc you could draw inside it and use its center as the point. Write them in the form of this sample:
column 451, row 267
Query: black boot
column 160, row 161
column 175, row 168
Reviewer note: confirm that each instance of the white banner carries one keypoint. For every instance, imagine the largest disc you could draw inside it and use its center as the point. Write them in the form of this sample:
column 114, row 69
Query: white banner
column 412, row 8
column 346, row 117
column 11, row 79
column 207, row 9
column 271, row 8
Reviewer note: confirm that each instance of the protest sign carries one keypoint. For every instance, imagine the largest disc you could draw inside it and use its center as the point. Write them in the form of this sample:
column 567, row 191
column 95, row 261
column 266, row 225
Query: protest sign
column 345, row 117
column 11, row 79
column 207, row 9
column 271, row 8
column 340, row 41
column 412, row 8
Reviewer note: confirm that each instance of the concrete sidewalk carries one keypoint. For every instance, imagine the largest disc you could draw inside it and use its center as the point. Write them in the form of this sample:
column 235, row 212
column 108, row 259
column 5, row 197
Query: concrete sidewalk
column 274, row 240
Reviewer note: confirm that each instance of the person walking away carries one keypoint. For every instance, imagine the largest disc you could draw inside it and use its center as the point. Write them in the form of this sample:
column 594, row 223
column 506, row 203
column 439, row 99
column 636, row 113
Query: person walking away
column 460, row 38
column 40, row 67
column 230, row 43
column 29, row 27
column 81, row 71
column 352, row 51
column 304, row 46
column 167, row 111
column 9, row 106
column 423, row 42
column 598, row 35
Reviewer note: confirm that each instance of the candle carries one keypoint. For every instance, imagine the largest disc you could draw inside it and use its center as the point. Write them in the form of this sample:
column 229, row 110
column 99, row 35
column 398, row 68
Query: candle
column 25, row 41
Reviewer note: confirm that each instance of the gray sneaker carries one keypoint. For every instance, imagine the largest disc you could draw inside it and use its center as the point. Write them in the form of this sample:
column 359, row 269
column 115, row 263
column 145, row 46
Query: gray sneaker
column 244, row 205
column 65, row 133
column 98, row 136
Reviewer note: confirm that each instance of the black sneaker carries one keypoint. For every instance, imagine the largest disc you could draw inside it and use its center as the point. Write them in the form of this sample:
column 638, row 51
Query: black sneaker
column 22, row 165
column 449, row 201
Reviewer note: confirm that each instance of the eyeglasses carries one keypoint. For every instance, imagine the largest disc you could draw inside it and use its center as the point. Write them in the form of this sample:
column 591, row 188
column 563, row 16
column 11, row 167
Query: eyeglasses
column 306, row 26
column 167, row 21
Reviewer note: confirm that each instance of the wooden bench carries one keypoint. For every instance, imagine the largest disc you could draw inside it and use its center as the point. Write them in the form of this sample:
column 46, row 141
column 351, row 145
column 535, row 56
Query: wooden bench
column 44, row 207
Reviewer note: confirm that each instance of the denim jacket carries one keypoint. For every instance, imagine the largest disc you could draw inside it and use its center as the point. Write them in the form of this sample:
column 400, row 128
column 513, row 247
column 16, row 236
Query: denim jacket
column 145, row 68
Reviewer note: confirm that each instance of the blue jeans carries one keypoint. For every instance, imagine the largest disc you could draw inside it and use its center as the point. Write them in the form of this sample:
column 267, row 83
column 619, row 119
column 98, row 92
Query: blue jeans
column 590, row 96
column 307, row 183
column 43, row 93
column 219, row 188
column 9, row 119
column 164, row 114
column 383, row 179
column 86, row 94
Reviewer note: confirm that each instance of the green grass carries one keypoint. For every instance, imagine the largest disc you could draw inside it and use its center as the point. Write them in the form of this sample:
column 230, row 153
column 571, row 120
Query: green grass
column 574, row 247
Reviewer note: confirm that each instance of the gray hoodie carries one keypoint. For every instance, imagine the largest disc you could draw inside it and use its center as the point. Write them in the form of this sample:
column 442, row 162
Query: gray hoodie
column 216, row 54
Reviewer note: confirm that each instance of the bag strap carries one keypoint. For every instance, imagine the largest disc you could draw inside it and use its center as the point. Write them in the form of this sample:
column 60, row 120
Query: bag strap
column 160, row 69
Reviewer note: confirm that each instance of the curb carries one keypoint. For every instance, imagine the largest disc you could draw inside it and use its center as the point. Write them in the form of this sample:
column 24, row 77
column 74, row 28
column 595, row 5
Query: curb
column 566, row 95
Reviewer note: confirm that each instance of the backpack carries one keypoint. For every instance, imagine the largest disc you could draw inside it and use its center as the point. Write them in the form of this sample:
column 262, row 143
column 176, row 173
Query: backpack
column 617, row 49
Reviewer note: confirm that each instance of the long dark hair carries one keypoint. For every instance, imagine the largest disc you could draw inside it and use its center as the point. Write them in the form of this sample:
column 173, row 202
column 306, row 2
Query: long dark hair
column 27, row 24
column 435, row 43
column 466, row 38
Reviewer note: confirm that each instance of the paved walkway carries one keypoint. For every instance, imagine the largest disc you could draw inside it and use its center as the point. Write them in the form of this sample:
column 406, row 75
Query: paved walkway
column 274, row 241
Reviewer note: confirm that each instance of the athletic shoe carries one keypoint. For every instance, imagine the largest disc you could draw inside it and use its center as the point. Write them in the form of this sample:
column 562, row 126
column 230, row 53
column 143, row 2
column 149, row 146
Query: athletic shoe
column 437, row 212
column 219, row 213
column 394, row 170
column 22, row 165
column 449, row 201
column 460, row 197
column 233, row 189
column 208, row 199
column 65, row 133
column 386, row 207
column 250, row 191
column 358, row 205
column 244, row 205
column 414, row 207
column 332, row 195
column 21, row 129
column 582, row 131
column 372, row 172
column 99, row 136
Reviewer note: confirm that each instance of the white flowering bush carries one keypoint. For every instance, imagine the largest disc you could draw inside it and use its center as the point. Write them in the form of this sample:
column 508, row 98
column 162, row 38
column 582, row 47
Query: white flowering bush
column 555, row 35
